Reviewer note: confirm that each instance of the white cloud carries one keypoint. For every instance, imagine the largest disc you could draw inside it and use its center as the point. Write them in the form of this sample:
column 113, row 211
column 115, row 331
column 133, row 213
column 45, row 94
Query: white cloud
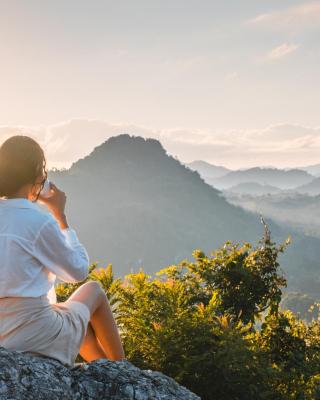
column 300, row 17
column 68, row 141
column 282, row 51
column 283, row 145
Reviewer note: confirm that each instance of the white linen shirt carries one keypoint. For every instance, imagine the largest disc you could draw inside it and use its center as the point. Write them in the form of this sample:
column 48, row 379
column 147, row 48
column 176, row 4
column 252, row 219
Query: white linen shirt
column 34, row 251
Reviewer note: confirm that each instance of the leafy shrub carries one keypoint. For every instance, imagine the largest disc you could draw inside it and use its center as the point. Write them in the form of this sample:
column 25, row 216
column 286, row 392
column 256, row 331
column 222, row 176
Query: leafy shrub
column 214, row 324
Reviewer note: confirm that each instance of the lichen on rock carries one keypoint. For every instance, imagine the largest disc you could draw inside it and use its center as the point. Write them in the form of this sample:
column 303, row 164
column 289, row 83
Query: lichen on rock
column 25, row 376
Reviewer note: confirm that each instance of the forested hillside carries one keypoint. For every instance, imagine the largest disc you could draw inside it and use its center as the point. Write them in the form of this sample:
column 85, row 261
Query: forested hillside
column 135, row 206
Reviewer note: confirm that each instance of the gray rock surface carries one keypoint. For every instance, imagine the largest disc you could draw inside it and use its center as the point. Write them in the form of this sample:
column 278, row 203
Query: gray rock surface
column 24, row 376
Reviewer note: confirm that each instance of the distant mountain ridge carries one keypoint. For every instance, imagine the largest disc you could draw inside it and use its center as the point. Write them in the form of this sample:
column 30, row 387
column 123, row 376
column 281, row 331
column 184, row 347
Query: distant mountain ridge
column 222, row 178
column 295, row 210
column 207, row 170
column 312, row 188
column 135, row 206
column 267, row 176
column 253, row 188
column 312, row 169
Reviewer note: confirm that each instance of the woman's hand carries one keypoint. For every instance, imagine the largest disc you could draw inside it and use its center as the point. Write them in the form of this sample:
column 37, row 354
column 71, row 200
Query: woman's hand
column 56, row 204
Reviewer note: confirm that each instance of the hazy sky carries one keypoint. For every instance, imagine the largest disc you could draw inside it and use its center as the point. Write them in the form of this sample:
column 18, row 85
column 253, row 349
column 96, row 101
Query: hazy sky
column 233, row 82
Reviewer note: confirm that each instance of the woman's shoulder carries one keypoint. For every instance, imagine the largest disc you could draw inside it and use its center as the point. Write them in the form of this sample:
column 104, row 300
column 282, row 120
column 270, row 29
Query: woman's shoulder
column 37, row 218
column 24, row 220
column 41, row 216
column 41, row 225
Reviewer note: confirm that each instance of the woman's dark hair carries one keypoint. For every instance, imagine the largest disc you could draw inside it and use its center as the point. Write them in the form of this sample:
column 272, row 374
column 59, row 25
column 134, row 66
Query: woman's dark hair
column 22, row 160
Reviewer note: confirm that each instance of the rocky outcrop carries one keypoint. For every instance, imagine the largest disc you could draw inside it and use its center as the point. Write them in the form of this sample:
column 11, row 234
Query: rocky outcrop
column 24, row 376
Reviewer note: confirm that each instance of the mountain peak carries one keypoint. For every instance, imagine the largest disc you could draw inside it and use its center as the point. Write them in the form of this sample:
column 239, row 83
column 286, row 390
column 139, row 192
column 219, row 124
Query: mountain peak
column 121, row 149
column 126, row 139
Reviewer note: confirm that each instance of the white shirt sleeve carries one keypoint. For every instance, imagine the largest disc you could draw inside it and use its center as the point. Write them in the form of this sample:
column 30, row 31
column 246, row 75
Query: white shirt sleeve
column 60, row 251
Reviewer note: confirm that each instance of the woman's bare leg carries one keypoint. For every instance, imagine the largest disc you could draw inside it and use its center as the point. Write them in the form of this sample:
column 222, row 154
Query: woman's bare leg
column 91, row 348
column 104, row 334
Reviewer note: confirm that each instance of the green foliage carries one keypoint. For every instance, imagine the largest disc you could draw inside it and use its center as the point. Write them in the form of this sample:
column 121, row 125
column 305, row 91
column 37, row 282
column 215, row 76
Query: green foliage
column 293, row 348
column 241, row 281
column 199, row 322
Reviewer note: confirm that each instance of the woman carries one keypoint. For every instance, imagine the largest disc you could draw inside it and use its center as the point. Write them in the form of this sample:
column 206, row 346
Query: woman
column 35, row 248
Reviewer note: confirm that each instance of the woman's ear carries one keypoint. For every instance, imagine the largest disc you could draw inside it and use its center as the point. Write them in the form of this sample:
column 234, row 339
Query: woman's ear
column 33, row 191
column 36, row 188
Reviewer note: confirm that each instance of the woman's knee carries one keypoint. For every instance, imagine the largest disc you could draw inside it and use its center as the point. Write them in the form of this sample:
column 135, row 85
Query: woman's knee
column 96, row 290
column 94, row 286
column 91, row 293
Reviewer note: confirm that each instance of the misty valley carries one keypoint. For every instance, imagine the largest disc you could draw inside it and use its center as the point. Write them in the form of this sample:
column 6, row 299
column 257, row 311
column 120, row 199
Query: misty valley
column 290, row 197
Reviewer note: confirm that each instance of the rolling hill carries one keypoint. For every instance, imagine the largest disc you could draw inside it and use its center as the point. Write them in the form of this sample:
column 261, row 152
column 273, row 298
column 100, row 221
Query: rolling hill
column 207, row 170
column 135, row 206
column 296, row 211
column 253, row 188
column 312, row 169
column 312, row 188
column 266, row 176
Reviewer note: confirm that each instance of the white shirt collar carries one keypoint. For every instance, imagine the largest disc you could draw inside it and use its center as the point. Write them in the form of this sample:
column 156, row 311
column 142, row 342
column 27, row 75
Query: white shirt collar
column 18, row 203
